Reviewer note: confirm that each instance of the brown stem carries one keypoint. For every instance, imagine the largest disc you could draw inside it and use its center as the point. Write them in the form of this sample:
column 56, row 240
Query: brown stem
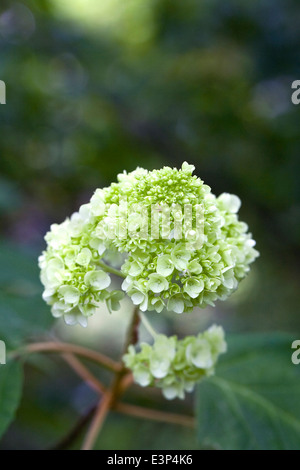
column 133, row 330
column 155, row 415
column 122, row 380
column 91, row 380
column 75, row 432
column 97, row 423
column 125, row 383
column 94, row 356
column 84, row 372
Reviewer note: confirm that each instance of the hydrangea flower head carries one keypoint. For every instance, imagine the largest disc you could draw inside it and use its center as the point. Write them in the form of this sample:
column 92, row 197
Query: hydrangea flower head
column 178, row 246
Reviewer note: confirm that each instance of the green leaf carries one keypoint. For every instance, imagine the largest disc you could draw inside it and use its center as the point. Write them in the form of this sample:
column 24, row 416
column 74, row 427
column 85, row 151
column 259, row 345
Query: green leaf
column 253, row 401
column 17, row 266
column 11, row 380
column 23, row 313
column 22, row 318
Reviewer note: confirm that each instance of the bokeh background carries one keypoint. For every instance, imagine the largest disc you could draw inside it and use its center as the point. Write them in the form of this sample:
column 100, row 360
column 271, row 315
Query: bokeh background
column 95, row 87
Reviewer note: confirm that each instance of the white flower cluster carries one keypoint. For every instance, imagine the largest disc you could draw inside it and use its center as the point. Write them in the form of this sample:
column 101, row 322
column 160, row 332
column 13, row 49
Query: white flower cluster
column 182, row 274
column 161, row 269
column 74, row 282
column 176, row 365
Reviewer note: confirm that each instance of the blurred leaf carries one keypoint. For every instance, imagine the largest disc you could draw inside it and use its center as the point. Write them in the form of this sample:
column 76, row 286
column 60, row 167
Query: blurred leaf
column 23, row 313
column 17, row 266
column 11, row 380
column 132, row 433
column 22, row 317
column 10, row 197
column 253, row 401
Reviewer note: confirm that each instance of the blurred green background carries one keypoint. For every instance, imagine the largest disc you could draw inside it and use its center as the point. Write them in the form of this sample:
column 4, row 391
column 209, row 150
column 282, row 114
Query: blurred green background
column 95, row 87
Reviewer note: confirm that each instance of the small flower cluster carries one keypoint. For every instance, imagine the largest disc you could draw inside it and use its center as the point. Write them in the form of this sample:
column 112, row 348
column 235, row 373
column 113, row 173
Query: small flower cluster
column 176, row 365
column 193, row 271
column 74, row 282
